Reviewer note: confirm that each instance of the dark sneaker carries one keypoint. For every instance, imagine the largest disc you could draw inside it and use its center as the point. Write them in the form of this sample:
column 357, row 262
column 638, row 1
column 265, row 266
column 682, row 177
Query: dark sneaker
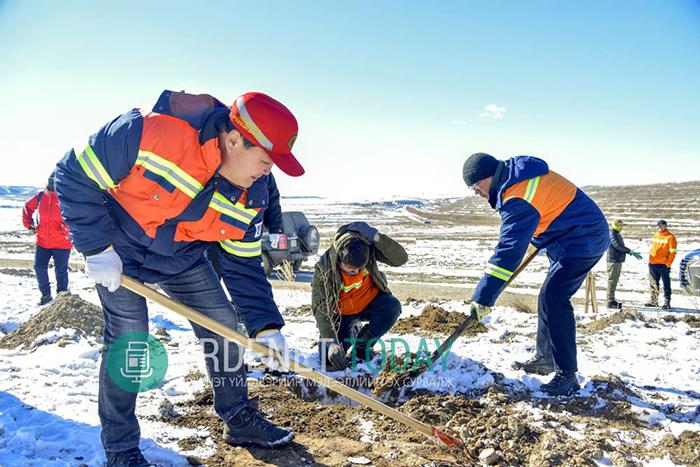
column 614, row 304
column 45, row 299
column 652, row 304
column 563, row 384
column 666, row 305
column 249, row 427
column 536, row 365
column 129, row 458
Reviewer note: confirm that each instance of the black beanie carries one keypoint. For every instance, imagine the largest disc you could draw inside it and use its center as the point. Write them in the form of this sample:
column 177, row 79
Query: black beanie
column 49, row 182
column 478, row 167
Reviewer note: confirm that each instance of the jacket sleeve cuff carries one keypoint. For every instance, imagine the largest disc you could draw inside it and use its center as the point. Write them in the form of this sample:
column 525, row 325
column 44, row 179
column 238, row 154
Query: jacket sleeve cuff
column 95, row 251
column 256, row 331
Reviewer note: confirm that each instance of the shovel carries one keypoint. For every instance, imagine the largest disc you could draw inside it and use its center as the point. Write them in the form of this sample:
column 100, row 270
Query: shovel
column 319, row 378
column 460, row 329
column 397, row 380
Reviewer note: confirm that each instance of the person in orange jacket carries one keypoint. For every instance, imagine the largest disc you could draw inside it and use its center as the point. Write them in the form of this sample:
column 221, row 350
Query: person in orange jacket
column 52, row 240
column 661, row 256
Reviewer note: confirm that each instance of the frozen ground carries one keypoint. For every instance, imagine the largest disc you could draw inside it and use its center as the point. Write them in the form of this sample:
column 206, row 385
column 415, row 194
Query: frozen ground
column 48, row 396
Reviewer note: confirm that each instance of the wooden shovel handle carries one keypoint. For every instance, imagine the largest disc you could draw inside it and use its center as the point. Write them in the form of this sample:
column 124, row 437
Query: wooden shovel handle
column 224, row 331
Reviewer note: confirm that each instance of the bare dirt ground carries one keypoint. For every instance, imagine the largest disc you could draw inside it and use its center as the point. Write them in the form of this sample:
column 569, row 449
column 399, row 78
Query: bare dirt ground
column 500, row 425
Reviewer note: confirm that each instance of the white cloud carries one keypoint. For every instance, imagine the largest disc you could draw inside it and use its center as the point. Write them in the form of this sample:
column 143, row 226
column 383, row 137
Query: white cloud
column 493, row 111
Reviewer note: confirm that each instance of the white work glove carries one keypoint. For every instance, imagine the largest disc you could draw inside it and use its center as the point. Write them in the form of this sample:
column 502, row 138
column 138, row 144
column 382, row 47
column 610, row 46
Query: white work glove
column 273, row 339
column 105, row 268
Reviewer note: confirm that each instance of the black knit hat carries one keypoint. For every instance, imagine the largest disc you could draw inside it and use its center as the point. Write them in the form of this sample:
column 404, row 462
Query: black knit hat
column 478, row 167
column 661, row 222
column 49, row 182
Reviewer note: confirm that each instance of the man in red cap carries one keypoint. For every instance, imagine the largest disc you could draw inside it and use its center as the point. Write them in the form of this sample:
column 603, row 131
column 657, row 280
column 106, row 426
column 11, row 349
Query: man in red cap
column 144, row 198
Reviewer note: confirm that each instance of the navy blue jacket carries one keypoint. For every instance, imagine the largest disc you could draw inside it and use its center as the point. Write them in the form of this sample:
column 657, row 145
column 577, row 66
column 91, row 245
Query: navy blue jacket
column 579, row 230
column 97, row 220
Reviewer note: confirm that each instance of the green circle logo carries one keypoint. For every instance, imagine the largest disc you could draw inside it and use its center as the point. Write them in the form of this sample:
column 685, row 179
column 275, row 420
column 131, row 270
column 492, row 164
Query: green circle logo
column 137, row 362
column 291, row 141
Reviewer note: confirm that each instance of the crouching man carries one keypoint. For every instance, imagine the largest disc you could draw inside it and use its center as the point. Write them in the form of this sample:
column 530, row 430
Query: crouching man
column 348, row 289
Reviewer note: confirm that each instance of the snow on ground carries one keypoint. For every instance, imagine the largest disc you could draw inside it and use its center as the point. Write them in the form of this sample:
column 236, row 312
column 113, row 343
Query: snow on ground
column 48, row 396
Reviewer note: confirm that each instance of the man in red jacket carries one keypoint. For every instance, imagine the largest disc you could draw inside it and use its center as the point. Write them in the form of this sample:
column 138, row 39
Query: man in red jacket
column 52, row 239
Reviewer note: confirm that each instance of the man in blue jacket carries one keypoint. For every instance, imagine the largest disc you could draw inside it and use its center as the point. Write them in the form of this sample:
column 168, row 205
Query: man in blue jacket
column 540, row 207
column 145, row 197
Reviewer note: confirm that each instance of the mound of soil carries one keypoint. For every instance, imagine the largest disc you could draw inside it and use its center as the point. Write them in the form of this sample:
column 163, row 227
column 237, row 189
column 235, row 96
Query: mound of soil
column 618, row 317
column 495, row 432
column 434, row 319
column 17, row 272
column 521, row 302
column 328, row 435
column 608, row 401
column 692, row 320
column 499, row 428
column 67, row 311
column 303, row 310
column 683, row 450
column 412, row 301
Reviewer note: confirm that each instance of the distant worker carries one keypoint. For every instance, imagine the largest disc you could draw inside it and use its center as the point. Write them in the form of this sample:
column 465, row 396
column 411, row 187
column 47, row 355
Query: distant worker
column 661, row 256
column 348, row 288
column 616, row 256
column 52, row 240
column 541, row 207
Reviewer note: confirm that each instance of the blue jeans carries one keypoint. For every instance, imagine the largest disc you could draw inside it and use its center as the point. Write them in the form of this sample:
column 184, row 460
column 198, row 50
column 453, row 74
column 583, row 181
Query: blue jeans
column 656, row 272
column 556, row 326
column 380, row 314
column 60, row 264
column 125, row 311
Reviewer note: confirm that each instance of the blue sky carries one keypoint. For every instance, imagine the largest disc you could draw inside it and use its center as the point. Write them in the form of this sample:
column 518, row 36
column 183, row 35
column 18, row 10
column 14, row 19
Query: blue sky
column 391, row 97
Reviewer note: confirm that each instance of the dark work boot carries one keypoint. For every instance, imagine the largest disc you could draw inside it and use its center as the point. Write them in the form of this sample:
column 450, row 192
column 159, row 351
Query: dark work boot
column 361, row 346
column 563, row 384
column 45, row 299
column 536, row 365
column 249, row 427
column 667, row 304
column 614, row 304
column 129, row 458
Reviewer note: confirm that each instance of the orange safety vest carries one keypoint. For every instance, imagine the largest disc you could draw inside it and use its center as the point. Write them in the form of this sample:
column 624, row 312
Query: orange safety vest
column 663, row 248
column 549, row 194
column 357, row 292
column 171, row 169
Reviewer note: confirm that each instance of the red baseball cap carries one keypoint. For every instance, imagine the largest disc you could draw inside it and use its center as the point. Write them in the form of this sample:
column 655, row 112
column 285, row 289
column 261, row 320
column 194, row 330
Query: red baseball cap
column 270, row 125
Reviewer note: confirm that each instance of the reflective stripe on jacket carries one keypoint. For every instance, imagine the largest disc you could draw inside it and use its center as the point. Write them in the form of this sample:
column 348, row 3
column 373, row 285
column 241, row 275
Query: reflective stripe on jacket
column 148, row 185
column 541, row 207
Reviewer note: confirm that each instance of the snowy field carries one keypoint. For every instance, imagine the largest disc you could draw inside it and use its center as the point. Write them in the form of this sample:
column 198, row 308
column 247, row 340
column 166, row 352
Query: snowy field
column 48, row 395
